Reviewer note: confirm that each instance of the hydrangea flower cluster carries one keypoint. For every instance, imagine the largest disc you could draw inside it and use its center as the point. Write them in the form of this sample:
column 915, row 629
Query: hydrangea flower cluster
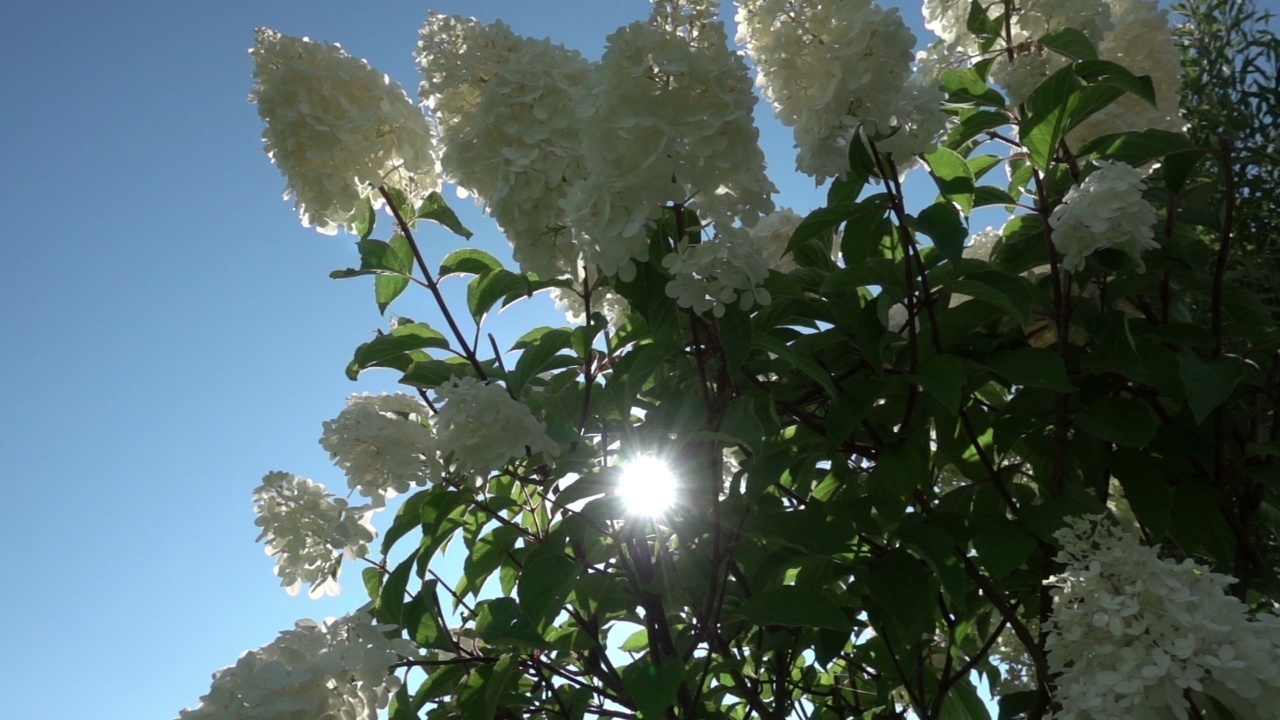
column 338, row 670
column 509, row 129
column 830, row 67
column 384, row 445
column 482, row 427
column 666, row 119
column 730, row 267
column 308, row 531
column 338, row 129
column 1142, row 41
column 1132, row 634
column 1105, row 210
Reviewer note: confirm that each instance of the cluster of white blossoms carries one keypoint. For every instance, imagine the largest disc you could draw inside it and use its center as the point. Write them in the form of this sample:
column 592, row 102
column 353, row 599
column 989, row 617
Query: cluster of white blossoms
column 1106, row 210
column 308, row 531
column 729, row 267
column 666, row 120
column 483, row 428
column 509, row 129
column 384, row 444
column 339, row 670
column 1132, row 635
column 1141, row 41
column 829, row 68
column 337, row 129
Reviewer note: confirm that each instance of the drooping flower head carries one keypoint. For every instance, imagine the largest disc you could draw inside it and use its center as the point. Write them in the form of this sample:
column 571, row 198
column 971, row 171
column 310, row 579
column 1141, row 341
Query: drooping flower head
column 509, row 130
column 338, row 129
column 666, row 119
column 339, row 669
column 308, row 531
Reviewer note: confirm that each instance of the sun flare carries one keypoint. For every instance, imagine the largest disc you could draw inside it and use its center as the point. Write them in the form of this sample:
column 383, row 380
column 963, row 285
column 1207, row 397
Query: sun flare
column 647, row 486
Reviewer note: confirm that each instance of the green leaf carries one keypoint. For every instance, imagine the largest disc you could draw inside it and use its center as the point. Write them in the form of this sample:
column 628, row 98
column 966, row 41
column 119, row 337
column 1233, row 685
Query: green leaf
column 434, row 373
column 469, row 261
column 974, row 122
column 1209, row 384
column 996, row 288
column 866, row 225
column 905, row 595
column 387, row 288
column 1031, row 367
column 941, row 221
column 490, row 287
column 408, row 517
column 1105, row 72
column 653, row 687
column 637, row 641
column 366, row 220
column 964, row 86
column 1139, row 148
column 943, row 376
column 953, row 177
column 537, row 356
column 1071, row 43
column 1122, row 421
column 372, row 578
column 1049, row 111
column 392, row 350
column 434, row 208
column 501, row 623
column 797, row 360
column 390, row 604
column 1002, row 546
column 987, row 195
column 793, row 606
column 422, row 619
column 544, row 584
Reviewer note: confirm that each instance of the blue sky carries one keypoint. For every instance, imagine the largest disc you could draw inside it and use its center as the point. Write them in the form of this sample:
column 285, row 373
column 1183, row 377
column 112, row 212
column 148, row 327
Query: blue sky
column 173, row 333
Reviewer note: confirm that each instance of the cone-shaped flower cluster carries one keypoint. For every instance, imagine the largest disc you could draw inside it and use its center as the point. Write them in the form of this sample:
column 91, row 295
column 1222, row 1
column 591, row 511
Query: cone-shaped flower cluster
column 1132, row 634
column 338, row 670
column 337, row 129
column 308, row 531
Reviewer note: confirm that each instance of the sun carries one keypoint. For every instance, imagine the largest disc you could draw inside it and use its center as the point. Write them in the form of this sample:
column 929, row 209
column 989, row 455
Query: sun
column 647, row 486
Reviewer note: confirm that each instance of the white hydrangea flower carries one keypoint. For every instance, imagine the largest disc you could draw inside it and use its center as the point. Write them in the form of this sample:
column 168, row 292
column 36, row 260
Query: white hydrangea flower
column 308, row 531
column 509, row 130
column 729, row 267
column 1131, row 632
column 338, row 129
column 604, row 300
column 830, row 67
column 339, row 670
column 1106, row 210
column 666, row 119
column 1142, row 41
column 384, row 444
column 483, row 428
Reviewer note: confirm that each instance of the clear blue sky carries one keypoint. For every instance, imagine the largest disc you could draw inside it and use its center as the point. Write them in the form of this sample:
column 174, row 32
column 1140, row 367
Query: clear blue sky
column 172, row 333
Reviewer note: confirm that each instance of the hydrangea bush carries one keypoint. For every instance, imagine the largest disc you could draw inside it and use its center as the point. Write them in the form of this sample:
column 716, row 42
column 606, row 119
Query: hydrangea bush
column 921, row 469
